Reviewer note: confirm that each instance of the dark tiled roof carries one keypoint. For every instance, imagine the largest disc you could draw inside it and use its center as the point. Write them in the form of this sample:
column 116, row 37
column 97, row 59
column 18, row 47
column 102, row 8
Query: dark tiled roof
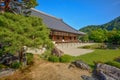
column 54, row 23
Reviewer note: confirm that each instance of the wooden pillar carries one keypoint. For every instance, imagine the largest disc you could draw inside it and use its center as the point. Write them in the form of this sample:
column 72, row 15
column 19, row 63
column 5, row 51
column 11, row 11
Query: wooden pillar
column 53, row 37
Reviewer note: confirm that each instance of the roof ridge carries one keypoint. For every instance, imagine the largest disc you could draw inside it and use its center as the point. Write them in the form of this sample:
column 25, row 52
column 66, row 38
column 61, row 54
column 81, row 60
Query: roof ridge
column 45, row 14
column 72, row 27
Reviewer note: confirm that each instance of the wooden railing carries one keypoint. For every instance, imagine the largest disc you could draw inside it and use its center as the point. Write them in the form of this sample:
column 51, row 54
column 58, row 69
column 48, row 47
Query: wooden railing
column 66, row 41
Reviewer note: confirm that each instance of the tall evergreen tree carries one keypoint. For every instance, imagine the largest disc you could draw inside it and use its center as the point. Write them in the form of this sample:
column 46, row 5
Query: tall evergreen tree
column 17, row 31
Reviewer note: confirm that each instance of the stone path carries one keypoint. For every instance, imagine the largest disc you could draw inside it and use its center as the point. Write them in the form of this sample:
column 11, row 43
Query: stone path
column 72, row 48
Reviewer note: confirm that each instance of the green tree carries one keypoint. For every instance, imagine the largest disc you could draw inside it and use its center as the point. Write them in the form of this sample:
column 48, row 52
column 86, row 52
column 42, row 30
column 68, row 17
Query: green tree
column 113, row 36
column 97, row 35
column 84, row 38
column 31, row 3
column 17, row 31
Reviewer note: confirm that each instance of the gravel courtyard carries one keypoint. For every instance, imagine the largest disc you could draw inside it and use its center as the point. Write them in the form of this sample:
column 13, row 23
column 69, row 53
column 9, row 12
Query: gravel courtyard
column 68, row 48
column 72, row 48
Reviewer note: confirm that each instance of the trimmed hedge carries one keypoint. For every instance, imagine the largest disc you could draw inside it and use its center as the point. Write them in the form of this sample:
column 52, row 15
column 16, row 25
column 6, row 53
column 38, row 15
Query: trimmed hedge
column 63, row 59
column 86, row 47
column 53, row 58
column 94, row 46
column 66, row 58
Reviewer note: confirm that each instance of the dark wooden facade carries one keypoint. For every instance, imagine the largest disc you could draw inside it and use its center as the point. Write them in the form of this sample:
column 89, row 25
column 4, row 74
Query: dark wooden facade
column 63, row 37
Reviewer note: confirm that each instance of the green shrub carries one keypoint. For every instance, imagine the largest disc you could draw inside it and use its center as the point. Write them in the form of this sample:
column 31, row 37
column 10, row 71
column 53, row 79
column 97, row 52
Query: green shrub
column 29, row 58
column 95, row 46
column 66, row 58
column 53, row 58
column 15, row 65
column 46, row 55
column 114, row 63
column 86, row 47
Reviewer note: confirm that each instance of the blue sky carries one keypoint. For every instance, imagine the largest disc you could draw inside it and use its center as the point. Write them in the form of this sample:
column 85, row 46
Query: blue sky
column 80, row 13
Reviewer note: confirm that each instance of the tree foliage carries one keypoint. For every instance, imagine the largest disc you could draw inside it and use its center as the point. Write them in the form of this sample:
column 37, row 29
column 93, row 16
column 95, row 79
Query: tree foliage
column 113, row 37
column 31, row 3
column 97, row 36
column 100, row 35
column 84, row 38
column 17, row 31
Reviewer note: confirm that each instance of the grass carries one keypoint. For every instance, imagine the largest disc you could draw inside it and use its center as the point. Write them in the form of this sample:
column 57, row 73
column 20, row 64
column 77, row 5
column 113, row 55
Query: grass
column 99, row 55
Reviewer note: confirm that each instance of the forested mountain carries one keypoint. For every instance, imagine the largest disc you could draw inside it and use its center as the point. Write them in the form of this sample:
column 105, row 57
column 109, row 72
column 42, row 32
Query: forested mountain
column 109, row 32
column 114, row 24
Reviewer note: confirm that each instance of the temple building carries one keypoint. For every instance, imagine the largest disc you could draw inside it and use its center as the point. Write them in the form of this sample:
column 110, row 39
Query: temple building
column 59, row 30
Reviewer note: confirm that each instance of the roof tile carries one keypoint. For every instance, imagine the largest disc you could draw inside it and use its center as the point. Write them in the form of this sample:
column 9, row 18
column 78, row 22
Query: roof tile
column 54, row 23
